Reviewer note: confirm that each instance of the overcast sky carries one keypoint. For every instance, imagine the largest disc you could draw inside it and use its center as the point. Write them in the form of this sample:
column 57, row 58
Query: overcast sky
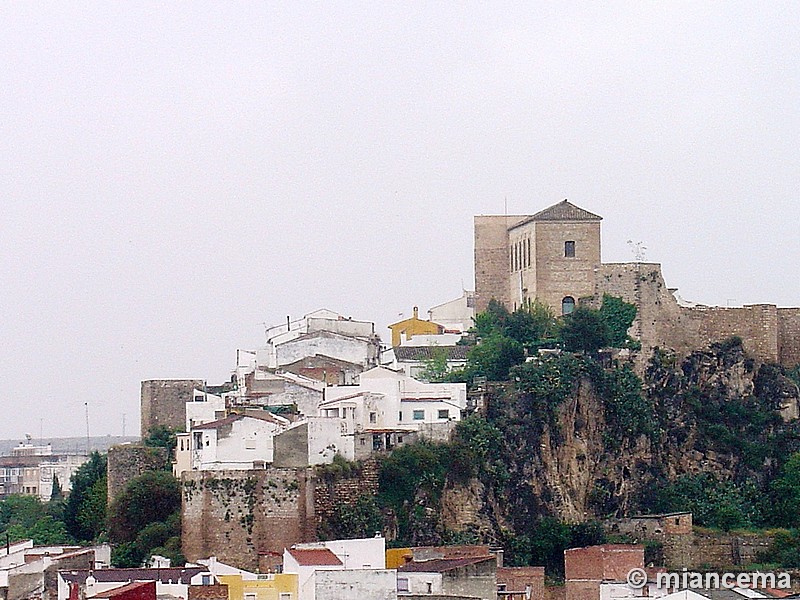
column 173, row 176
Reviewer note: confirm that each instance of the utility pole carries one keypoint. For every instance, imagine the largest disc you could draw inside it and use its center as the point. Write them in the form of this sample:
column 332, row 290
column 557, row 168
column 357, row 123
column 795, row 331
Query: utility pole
column 88, row 439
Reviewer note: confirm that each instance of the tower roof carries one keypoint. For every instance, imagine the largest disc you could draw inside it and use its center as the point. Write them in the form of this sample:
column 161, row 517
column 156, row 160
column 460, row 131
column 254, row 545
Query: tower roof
column 563, row 211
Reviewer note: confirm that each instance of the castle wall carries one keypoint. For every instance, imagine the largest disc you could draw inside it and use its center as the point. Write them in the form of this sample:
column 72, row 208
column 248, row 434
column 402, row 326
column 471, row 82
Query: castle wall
column 128, row 461
column 239, row 515
column 789, row 337
column 491, row 258
column 244, row 517
column 756, row 324
column 163, row 402
column 660, row 321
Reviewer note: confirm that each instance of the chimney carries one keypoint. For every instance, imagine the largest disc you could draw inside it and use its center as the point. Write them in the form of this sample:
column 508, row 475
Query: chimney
column 416, row 312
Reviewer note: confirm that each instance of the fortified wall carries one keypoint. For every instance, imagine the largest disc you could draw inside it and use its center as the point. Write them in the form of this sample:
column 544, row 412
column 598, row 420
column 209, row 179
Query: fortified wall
column 769, row 333
column 127, row 461
column 554, row 256
column 247, row 518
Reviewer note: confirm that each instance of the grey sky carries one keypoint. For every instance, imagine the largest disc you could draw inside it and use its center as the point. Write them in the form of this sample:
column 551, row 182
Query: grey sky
column 174, row 175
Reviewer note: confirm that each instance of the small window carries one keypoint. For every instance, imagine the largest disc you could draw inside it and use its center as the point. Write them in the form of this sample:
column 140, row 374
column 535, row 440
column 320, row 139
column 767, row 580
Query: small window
column 399, row 439
column 569, row 249
column 286, row 596
column 206, row 579
column 444, row 414
column 400, row 416
column 373, row 417
column 419, row 415
column 363, row 442
column 402, row 584
column 567, row 305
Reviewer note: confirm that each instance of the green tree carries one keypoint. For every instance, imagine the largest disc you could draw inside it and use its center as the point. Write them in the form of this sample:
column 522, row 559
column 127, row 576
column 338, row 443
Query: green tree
column 85, row 510
column 145, row 500
column 494, row 356
column 26, row 517
column 161, row 436
column 786, row 494
column 618, row 316
column 584, row 330
column 531, row 324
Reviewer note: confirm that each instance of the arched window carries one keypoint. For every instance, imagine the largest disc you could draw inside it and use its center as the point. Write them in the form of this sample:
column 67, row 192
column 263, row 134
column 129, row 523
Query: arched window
column 567, row 305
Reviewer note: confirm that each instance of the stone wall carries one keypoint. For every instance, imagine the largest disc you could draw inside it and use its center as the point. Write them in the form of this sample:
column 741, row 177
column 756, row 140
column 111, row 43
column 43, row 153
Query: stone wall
column 163, row 402
column 332, row 491
column 239, row 515
column 789, row 337
column 128, row 461
column 756, row 324
column 491, row 258
column 716, row 550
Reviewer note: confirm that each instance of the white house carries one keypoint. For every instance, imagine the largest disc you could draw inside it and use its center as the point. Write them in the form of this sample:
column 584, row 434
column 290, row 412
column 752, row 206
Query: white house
column 455, row 315
column 312, row 441
column 385, row 399
column 341, row 567
column 350, row 340
column 240, row 441
column 204, row 408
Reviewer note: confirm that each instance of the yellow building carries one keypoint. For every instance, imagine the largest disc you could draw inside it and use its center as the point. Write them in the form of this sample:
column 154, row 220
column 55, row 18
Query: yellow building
column 272, row 586
column 397, row 557
column 413, row 326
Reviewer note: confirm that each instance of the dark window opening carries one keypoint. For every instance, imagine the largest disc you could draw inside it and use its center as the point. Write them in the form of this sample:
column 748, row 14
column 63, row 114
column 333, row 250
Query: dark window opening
column 567, row 305
column 569, row 249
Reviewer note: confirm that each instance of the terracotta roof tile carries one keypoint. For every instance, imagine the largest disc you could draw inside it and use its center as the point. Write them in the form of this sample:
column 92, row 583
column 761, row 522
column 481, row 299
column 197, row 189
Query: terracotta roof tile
column 316, row 557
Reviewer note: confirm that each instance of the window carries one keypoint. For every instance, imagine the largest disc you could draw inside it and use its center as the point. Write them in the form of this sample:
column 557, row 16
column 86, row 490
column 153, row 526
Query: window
column 419, row 415
column 250, row 597
column 402, row 584
column 400, row 416
column 285, row 596
column 569, row 249
column 399, row 439
column 430, row 587
column 444, row 414
column 373, row 417
column 198, row 441
column 567, row 305
column 206, row 579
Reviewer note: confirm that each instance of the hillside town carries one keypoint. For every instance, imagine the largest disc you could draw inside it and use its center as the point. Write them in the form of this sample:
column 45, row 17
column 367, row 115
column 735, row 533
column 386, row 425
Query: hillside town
column 282, row 477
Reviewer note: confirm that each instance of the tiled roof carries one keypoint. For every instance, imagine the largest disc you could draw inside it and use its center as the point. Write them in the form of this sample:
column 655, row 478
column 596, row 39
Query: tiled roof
column 440, row 565
column 113, row 593
column 429, row 352
column 220, row 423
column 316, row 557
column 563, row 211
column 176, row 575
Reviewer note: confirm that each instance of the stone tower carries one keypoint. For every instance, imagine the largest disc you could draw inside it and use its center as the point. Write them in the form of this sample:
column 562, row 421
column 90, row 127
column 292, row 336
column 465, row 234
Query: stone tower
column 553, row 255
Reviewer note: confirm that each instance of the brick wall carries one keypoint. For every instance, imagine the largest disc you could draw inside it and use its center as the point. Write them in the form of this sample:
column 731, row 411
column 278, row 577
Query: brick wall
column 128, row 461
column 789, row 337
column 163, row 402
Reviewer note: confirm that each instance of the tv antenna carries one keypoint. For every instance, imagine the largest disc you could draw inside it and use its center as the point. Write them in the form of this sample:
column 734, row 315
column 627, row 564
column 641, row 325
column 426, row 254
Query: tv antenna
column 638, row 249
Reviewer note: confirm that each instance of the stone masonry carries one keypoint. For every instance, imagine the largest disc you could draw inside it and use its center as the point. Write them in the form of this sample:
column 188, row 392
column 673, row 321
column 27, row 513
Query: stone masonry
column 128, row 461
column 554, row 256
column 163, row 402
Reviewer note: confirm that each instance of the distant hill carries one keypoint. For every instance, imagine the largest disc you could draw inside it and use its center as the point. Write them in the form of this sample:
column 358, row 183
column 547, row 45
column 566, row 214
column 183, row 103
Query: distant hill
column 71, row 445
